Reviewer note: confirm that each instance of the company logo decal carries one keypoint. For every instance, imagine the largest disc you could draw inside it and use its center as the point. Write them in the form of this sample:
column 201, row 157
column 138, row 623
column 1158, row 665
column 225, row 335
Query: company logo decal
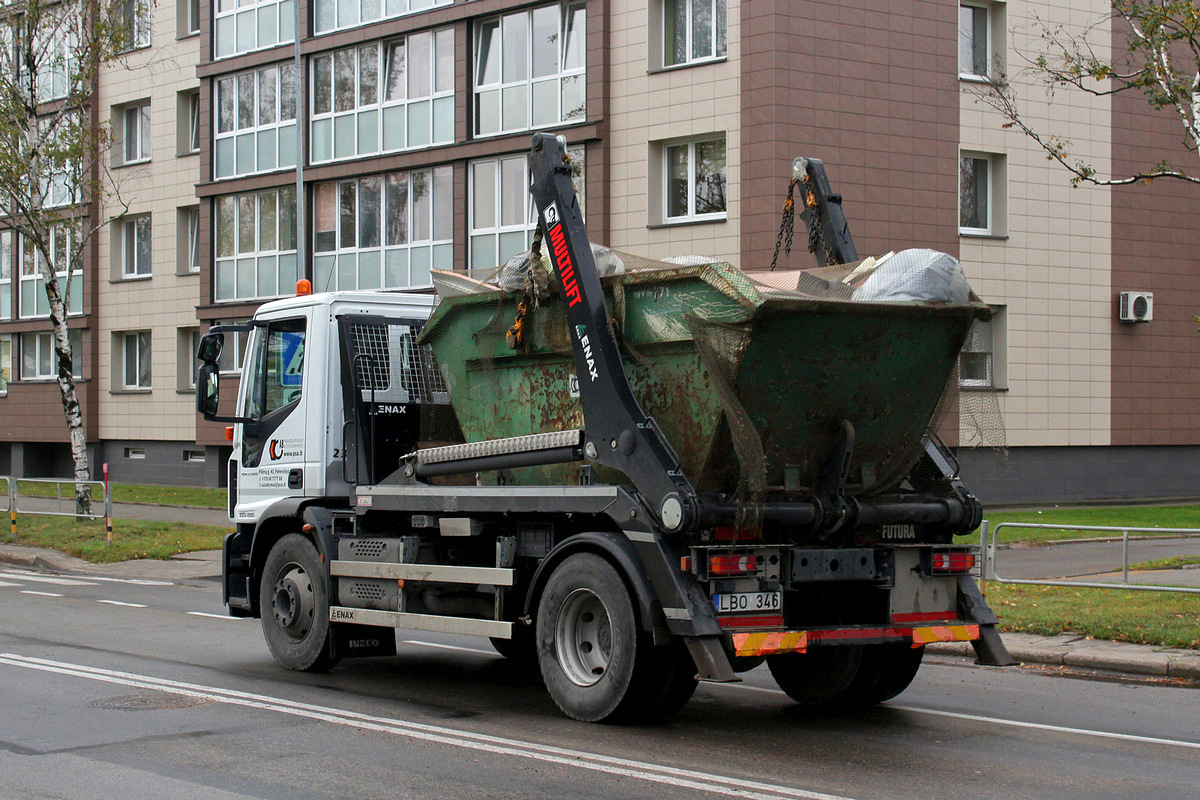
column 280, row 449
column 562, row 260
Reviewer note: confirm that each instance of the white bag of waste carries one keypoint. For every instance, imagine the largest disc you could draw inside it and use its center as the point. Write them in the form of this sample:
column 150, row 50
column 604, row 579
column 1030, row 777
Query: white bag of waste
column 925, row 275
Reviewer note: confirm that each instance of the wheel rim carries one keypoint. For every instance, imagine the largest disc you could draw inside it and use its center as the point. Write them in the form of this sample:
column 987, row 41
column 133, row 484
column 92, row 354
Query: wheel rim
column 292, row 602
column 583, row 637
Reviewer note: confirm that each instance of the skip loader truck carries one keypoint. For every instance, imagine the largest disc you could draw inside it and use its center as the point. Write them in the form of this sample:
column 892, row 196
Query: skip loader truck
column 670, row 472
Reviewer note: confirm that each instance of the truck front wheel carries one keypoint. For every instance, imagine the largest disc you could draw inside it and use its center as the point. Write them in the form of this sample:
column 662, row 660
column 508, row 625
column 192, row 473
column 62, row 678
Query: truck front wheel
column 595, row 662
column 294, row 601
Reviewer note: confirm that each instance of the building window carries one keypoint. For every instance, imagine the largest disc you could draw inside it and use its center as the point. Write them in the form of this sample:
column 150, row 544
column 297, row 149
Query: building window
column 530, row 69
column 256, row 122
column 6, row 273
column 383, row 231
column 383, row 97
column 187, row 227
column 234, row 351
column 502, row 213
column 693, row 31
column 5, row 363
column 241, row 26
column 34, row 302
column 332, row 15
column 59, row 65
column 187, row 14
column 38, row 362
column 133, row 124
column 135, row 18
column 977, row 48
column 981, row 362
column 135, row 246
column 256, row 245
column 694, row 180
column 187, row 343
column 187, row 118
column 135, row 361
column 135, row 452
column 981, row 194
column 193, row 456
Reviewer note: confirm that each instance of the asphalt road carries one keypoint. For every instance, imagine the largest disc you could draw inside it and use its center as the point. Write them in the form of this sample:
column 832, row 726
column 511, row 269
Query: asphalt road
column 116, row 689
column 1090, row 559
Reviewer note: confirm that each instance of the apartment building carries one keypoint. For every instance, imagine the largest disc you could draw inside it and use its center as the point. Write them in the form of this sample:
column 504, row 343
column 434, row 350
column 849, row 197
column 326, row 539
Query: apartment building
column 362, row 143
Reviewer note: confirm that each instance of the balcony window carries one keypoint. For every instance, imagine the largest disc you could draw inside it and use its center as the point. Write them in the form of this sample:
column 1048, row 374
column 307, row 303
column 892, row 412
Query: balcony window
column 34, row 302
column 331, row 15
column 256, row 245
column 241, row 26
column 255, row 122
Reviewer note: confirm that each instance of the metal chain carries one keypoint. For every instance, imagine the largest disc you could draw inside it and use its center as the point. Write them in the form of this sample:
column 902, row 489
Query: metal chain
column 787, row 225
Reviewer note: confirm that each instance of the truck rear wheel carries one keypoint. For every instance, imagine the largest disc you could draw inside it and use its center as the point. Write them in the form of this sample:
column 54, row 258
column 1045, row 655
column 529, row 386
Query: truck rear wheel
column 886, row 671
column 819, row 677
column 595, row 662
column 294, row 599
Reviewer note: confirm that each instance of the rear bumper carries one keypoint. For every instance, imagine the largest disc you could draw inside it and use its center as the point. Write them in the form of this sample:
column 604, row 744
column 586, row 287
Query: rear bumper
column 764, row 643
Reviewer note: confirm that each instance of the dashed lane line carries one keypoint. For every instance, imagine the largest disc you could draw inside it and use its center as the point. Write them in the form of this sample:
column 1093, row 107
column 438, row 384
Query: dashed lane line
column 121, row 603
column 31, row 577
column 41, row 594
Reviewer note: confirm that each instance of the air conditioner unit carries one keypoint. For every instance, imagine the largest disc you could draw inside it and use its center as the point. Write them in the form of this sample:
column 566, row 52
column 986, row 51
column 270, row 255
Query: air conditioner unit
column 1136, row 307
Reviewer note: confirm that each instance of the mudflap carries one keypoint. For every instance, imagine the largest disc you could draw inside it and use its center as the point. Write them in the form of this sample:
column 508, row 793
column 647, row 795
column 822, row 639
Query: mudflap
column 989, row 647
column 361, row 641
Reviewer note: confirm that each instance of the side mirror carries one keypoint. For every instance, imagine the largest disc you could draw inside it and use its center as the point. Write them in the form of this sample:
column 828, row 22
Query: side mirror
column 210, row 348
column 208, row 383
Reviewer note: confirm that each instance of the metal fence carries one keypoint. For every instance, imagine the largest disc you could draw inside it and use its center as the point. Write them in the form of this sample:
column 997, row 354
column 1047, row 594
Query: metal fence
column 59, row 504
column 989, row 549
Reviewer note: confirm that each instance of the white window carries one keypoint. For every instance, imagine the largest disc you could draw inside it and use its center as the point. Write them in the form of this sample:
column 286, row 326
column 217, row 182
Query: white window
column 34, row 302
column 6, row 273
column 234, row 350
column 135, row 452
column 530, row 69
column 193, row 456
column 693, row 31
column 331, row 15
column 383, row 97
column 502, row 213
column 38, row 362
column 981, row 362
column 187, row 118
column 5, row 363
column 241, row 26
column 135, row 246
column 135, row 361
column 383, row 231
column 187, row 227
column 975, row 194
column 256, row 122
column 694, row 179
column 135, row 14
column 974, row 41
column 59, row 63
column 256, row 245
column 60, row 187
column 187, row 14
column 134, row 122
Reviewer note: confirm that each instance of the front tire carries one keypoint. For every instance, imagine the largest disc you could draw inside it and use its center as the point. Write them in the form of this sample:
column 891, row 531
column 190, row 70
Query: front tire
column 294, row 602
column 595, row 662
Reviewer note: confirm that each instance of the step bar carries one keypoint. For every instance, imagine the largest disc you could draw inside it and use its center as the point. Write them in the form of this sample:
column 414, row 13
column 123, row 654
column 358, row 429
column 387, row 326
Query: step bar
column 421, row 622
column 434, row 573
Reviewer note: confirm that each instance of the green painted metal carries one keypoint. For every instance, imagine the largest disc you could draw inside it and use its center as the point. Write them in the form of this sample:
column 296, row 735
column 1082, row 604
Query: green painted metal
column 728, row 373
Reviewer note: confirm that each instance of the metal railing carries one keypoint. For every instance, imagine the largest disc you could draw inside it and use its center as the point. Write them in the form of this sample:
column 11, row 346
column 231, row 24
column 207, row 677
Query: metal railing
column 988, row 548
column 61, row 506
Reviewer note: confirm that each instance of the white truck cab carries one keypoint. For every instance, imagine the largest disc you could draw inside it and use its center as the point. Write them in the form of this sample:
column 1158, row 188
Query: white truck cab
column 289, row 437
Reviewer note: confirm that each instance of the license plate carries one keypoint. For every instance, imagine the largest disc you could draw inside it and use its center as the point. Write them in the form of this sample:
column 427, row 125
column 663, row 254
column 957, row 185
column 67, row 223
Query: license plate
column 748, row 601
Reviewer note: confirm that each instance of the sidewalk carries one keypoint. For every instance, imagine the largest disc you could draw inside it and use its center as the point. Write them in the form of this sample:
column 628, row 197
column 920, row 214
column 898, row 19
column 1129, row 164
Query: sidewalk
column 1068, row 650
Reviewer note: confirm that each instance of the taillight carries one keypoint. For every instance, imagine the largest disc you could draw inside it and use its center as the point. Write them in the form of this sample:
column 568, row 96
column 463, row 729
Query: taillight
column 734, row 565
column 951, row 562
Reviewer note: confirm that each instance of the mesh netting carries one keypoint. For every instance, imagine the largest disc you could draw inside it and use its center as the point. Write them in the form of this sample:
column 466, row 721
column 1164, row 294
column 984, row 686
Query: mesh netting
column 750, row 375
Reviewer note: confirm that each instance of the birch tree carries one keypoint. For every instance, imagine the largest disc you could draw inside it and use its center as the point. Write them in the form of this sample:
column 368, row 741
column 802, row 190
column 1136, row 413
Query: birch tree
column 56, row 190
column 1160, row 59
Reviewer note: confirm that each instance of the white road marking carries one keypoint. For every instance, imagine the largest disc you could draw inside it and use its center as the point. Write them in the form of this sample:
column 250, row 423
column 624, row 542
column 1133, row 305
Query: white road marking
column 41, row 594
column 29, row 576
column 1128, row 737
column 214, row 616
column 133, row 581
column 119, row 603
column 6, row 583
column 579, row 759
column 450, row 647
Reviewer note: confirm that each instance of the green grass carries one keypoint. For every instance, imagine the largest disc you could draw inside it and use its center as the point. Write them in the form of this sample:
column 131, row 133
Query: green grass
column 134, row 493
column 1161, row 619
column 131, row 538
column 1171, row 562
column 1187, row 516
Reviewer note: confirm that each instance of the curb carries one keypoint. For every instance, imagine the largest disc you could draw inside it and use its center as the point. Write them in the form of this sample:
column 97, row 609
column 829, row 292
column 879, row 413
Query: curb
column 1068, row 650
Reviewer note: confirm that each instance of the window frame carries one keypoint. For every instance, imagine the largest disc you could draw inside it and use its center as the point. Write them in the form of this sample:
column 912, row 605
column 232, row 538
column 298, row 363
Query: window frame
column 989, row 338
column 989, row 200
column 229, row 16
column 32, row 285
column 137, row 256
column 136, row 134
column 233, row 354
column 570, row 39
column 8, row 266
column 256, row 258
column 334, row 265
column 6, row 365
column 137, row 14
column 229, row 134
column 988, row 47
column 143, row 351
column 691, row 215
column 388, row 9
column 43, row 352
column 719, row 8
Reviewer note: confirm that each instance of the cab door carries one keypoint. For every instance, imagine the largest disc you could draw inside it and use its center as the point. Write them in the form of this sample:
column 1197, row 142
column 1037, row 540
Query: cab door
column 272, row 450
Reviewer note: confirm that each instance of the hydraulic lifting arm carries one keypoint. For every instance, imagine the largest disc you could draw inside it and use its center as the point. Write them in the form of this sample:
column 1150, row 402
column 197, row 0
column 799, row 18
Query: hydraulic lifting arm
column 617, row 431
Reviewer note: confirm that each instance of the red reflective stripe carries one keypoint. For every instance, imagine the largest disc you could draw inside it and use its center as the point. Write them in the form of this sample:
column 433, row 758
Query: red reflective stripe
column 750, row 622
column 861, row 633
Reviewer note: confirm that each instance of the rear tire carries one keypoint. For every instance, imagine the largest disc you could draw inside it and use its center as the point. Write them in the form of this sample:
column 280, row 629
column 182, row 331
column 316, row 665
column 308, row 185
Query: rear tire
column 520, row 649
column 819, row 677
column 886, row 671
column 595, row 662
column 294, row 602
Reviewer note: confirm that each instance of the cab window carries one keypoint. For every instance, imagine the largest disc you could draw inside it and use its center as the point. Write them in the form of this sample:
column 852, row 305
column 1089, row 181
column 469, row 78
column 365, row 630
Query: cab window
column 277, row 364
